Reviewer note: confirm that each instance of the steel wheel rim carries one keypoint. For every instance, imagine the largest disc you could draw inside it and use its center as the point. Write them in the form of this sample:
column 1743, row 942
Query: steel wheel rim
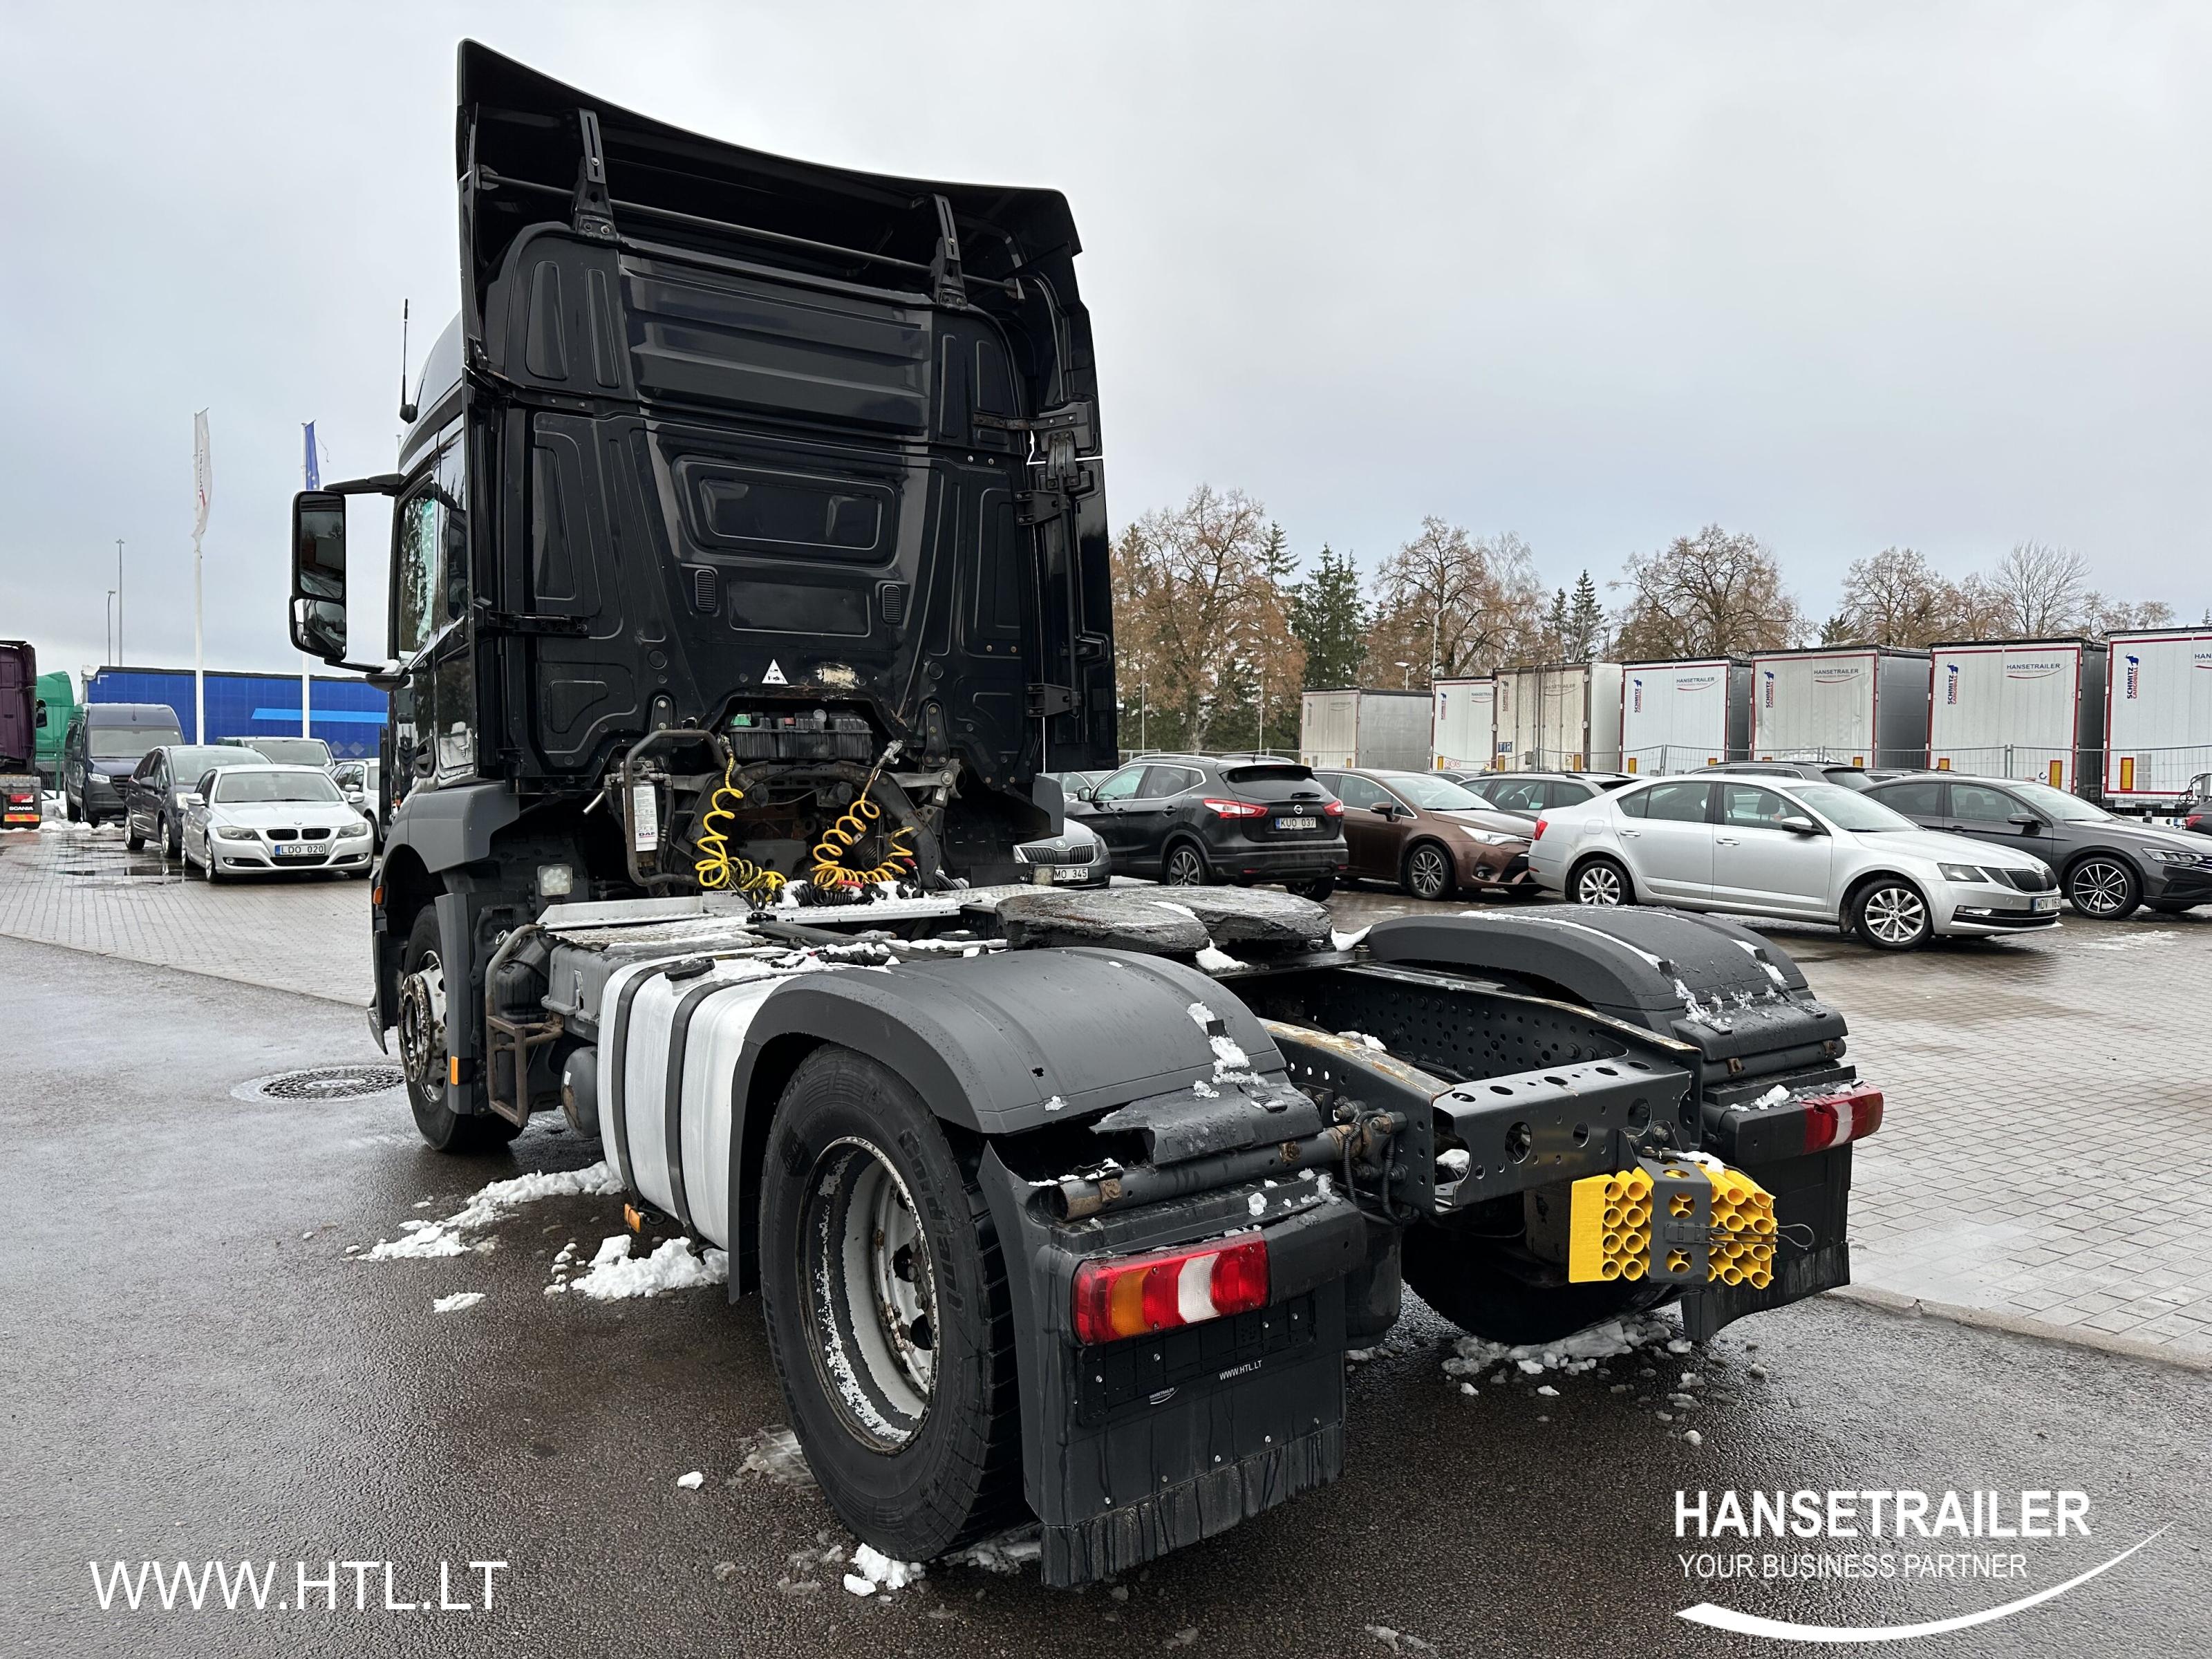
column 869, row 1286
column 1895, row 915
column 1428, row 873
column 1599, row 884
column 423, row 1022
column 1184, row 869
column 2099, row 888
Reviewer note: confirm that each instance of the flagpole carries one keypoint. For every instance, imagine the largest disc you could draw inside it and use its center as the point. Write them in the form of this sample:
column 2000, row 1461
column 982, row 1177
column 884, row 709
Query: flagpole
column 203, row 490
column 308, row 476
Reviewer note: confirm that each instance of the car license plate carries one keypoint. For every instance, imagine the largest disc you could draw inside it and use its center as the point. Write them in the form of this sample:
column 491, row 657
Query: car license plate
column 2046, row 905
column 305, row 849
column 1069, row 873
column 1296, row 824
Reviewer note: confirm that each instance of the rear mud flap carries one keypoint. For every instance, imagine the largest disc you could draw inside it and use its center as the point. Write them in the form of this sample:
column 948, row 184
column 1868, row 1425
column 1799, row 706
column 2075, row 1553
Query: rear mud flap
column 1708, row 1311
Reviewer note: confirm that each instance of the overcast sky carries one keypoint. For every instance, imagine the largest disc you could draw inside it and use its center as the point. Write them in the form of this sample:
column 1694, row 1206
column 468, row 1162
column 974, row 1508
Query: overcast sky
column 1840, row 275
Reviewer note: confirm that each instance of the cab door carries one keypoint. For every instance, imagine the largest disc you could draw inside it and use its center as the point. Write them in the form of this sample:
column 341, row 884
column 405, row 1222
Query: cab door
column 431, row 629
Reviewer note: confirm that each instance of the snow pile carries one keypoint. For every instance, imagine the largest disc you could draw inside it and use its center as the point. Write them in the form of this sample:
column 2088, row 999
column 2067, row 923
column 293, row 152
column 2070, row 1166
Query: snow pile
column 775, row 1453
column 1344, row 941
column 1399, row 1641
column 873, row 1571
column 1362, row 1038
column 1008, row 1553
column 1454, row 1162
column 614, row 1276
column 1570, row 1356
column 456, row 1302
column 2150, row 938
column 1214, row 961
column 1230, row 1063
column 692, row 1481
column 421, row 1239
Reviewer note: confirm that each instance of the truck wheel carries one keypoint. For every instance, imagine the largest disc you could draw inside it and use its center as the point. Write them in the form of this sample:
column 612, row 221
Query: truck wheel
column 1428, row 873
column 1602, row 881
column 2104, row 887
column 1184, row 866
column 1465, row 1279
column 888, row 1315
column 1889, row 914
column 422, row 1050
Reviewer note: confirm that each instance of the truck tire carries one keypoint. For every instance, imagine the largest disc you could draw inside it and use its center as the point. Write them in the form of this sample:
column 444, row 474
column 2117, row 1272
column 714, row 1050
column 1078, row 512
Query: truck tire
column 1465, row 1279
column 423, row 1052
column 887, row 1312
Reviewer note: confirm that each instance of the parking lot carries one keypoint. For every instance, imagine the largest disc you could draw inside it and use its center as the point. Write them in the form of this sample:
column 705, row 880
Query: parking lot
column 203, row 1359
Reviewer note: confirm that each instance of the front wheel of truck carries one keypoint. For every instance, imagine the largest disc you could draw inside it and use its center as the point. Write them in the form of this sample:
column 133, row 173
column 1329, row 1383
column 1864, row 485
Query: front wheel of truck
column 422, row 1050
column 887, row 1312
column 1467, row 1281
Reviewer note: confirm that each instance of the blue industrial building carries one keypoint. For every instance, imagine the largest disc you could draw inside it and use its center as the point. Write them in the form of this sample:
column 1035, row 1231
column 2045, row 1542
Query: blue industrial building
column 348, row 714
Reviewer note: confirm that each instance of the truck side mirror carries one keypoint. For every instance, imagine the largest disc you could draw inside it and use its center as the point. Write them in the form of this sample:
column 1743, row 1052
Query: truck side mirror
column 318, row 575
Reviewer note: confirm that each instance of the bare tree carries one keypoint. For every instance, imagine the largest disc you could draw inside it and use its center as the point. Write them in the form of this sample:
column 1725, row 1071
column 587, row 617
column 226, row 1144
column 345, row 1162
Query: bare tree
column 1453, row 605
column 1711, row 594
column 1200, row 623
column 2102, row 617
column 2040, row 589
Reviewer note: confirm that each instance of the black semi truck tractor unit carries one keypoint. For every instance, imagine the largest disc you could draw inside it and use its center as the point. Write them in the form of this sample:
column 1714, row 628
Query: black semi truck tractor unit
column 748, row 571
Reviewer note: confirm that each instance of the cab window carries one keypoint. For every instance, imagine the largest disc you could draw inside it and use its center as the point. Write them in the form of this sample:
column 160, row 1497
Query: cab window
column 453, row 501
column 416, row 570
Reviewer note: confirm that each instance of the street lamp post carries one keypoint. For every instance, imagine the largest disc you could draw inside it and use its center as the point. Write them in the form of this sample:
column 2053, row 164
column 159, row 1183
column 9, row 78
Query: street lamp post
column 118, row 658
column 111, row 625
column 1405, row 678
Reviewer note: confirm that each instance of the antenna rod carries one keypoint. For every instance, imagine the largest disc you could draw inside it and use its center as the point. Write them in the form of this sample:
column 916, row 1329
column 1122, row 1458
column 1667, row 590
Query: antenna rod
column 406, row 408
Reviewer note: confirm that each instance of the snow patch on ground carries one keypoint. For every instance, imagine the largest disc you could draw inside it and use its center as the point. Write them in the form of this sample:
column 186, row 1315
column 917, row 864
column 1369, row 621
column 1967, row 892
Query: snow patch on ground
column 1399, row 1641
column 1570, row 1356
column 456, row 1302
column 1008, row 1553
column 455, row 1234
column 2151, row 937
column 873, row 1571
column 614, row 1276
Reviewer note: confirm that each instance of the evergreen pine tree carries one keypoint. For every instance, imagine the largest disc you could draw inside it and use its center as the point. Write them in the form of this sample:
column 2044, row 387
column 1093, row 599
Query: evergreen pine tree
column 1330, row 619
column 1585, row 621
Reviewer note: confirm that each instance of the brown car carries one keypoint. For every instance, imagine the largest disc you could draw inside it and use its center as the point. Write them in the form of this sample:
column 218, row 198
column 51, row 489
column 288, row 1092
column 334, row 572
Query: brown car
column 1429, row 835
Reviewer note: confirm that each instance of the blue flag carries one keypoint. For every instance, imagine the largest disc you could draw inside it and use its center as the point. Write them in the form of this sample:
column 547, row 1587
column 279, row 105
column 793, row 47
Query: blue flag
column 315, row 471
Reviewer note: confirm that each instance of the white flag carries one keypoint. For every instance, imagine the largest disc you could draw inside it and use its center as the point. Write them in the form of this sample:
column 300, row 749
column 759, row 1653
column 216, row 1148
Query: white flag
column 203, row 475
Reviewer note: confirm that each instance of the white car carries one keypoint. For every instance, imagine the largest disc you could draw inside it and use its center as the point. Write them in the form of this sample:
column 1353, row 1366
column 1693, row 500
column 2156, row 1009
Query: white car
column 1779, row 846
column 259, row 819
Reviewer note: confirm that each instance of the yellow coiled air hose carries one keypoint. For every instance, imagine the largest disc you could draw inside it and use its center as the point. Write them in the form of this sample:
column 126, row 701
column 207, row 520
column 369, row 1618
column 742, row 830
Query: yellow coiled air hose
column 717, row 867
column 841, row 837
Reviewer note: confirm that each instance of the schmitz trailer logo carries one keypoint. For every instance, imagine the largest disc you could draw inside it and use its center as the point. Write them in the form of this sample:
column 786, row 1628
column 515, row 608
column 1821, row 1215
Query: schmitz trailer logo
column 2134, row 673
column 1950, row 682
column 1770, row 688
column 1638, row 707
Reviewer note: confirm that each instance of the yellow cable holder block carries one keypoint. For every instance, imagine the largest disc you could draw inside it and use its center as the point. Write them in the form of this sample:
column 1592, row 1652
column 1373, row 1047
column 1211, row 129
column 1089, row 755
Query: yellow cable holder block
column 716, row 867
column 830, row 869
column 1611, row 1226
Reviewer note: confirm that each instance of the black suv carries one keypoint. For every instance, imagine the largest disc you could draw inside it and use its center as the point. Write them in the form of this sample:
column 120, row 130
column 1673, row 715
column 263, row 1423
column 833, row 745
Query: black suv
column 1190, row 819
column 2106, row 866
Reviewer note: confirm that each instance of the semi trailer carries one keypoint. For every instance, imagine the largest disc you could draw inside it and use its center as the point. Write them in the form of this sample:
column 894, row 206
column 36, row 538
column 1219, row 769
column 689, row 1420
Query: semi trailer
column 2158, row 717
column 1560, row 716
column 20, row 784
column 1462, row 725
column 2020, row 708
column 1388, row 730
column 748, row 572
column 1676, row 716
column 1856, row 705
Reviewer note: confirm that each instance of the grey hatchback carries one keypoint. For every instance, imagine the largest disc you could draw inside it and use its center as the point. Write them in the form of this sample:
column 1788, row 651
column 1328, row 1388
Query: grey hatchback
column 2106, row 866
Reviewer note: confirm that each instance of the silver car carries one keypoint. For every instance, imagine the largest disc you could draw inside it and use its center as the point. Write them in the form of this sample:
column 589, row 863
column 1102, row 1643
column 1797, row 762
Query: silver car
column 255, row 819
column 1783, row 847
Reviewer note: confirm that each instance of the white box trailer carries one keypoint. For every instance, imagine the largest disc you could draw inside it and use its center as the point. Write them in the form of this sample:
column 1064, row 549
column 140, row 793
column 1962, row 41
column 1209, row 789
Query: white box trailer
column 1675, row 716
column 1855, row 705
column 1461, row 716
column 2158, row 719
column 1561, row 716
column 2020, row 708
column 1385, row 729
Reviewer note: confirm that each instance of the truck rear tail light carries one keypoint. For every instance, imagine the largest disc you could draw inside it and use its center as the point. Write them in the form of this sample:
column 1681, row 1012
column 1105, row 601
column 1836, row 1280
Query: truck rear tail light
column 1853, row 1113
column 1235, row 808
column 1129, row 1296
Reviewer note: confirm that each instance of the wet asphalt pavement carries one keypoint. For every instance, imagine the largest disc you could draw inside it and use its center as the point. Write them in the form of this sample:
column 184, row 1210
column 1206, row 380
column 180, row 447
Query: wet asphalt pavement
column 194, row 1368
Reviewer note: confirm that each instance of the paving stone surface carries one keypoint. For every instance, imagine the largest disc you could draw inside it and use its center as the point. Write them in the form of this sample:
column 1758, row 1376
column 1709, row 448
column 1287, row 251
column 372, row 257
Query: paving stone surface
column 2046, row 1155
